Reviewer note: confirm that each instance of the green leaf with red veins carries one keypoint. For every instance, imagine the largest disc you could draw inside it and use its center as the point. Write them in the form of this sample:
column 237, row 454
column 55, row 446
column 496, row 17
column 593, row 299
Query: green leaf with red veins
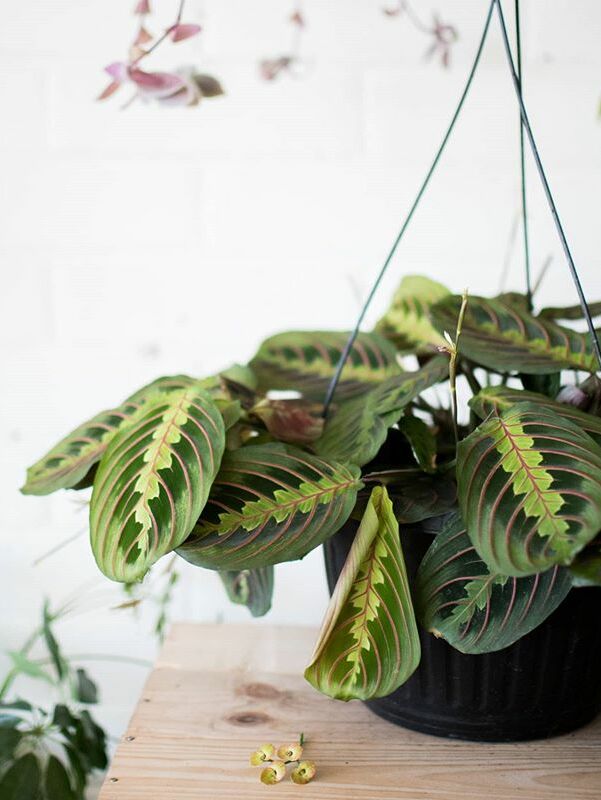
column 270, row 503
column 154, row 480
column 529, row 488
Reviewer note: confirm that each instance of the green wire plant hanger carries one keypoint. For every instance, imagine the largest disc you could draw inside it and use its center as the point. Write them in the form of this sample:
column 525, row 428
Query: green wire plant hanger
column 525, row 127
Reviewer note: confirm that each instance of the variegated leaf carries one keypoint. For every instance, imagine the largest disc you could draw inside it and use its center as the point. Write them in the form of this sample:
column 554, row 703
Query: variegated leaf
column 357, row 429
column 474, row 609
column 570, row 312
column 252, row 588
column 153, row 481
column 496, row 399
column 306, row 361
column 69, row 462
column 506, row 338
column 529, row 487
column 270, row 503
column 369, row 644
column 406, row 323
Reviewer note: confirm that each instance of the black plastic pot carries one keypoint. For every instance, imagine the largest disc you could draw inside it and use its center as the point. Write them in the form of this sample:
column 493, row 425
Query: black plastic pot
column 545, row 684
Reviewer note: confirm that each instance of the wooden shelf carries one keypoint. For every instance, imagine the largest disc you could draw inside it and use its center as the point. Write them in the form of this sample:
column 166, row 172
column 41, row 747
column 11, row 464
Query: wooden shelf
column 219, row 691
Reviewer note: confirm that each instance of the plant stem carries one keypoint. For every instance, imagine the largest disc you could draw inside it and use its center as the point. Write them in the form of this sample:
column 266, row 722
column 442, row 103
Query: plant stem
column 543, row 178
column 454, row 352
column 161, row 38
column 518, row 39
column 351, row 340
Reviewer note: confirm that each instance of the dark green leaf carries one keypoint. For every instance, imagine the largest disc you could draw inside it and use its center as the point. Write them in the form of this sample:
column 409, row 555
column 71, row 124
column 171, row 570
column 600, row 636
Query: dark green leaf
column 548, row 385
column 78, row 770
column 252, row 588
column 496, row 399
column 586, row 567
column 86, row 690
column 306, row 360
column 415, row 497
column 57, row 783
column 422, row 441
column 18, row 705
column 529, row 487
column 474, row 609
column 357, row 429
column 22, row 780
column 51, row 643
column 270, row 503
column 9, row 735
column 509, row 339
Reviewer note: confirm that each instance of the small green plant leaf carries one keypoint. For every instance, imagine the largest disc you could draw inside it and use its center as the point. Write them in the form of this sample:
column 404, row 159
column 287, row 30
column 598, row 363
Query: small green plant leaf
column 368, row 645
column 496, row 399
column 415, row 497
column 305, row 361
column 357, row 429
column 58, row 661
column 507, row 338
column 529, row 487
column 570, row 312
column 252, row 588
column 21, row 781
column 474, row 609
column 85, row 690
column 28, row 667
column 406, row 323
column 270, row 503
column 57, row 782
column 422, row 441
column 153, row 481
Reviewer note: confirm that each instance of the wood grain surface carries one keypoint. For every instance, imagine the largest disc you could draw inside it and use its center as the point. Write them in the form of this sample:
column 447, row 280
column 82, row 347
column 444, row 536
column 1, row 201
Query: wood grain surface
column 219, row 691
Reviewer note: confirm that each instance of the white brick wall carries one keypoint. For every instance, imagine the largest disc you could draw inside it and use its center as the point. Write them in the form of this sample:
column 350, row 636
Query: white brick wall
column 154, row 241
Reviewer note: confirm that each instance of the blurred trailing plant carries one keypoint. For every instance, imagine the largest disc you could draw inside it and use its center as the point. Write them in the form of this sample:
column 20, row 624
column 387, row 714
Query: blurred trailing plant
column 187, row 87
column 182, row 87
column 442, row 34
column 48, row 753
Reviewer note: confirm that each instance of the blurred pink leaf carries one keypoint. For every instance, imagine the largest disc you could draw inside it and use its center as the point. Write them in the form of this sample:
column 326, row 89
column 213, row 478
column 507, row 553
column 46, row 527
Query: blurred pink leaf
column 183, row 31
column 156, row 84
column 110, row 90
column 143, row 37
column 118, row 70
column 297, row 19
column 270, row 68
column 142, row 7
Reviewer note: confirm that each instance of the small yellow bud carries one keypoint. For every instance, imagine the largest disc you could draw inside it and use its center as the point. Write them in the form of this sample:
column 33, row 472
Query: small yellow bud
column 304, row 773
column 274, row 773
column 265, row 753
column 290, row 752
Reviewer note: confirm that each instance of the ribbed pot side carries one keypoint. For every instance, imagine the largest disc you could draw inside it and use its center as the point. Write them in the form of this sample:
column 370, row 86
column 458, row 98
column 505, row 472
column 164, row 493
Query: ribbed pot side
column 544, row 685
